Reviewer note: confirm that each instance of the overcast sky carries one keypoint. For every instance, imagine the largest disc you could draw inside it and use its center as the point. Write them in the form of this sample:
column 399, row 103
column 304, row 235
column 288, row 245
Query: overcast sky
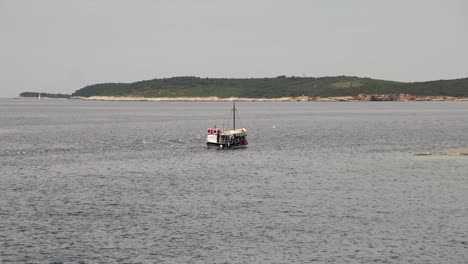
column 61, row 46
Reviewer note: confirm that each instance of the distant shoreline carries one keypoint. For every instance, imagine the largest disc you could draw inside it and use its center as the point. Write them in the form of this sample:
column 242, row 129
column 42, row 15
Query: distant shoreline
column 358, row 98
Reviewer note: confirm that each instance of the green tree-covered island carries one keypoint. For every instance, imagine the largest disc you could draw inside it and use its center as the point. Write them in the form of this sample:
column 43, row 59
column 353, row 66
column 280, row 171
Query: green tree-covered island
column 279, row 87
column 44, row 95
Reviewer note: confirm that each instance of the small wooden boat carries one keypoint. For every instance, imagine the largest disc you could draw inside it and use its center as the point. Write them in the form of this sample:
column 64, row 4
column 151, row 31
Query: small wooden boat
column 227, row 139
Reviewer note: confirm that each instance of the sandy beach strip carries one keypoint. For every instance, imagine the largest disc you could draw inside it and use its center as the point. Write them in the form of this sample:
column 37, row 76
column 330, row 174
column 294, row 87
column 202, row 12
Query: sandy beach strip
column 358, row 98
column 193, row 99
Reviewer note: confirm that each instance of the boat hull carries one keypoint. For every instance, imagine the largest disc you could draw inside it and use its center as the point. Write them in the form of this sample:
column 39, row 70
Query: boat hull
column 228, row 146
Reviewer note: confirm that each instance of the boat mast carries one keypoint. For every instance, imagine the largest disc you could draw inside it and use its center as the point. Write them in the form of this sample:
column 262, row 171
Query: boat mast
column 234, row 115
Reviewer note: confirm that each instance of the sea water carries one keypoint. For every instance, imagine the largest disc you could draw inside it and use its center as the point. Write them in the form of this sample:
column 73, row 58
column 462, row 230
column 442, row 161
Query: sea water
column 132, row 182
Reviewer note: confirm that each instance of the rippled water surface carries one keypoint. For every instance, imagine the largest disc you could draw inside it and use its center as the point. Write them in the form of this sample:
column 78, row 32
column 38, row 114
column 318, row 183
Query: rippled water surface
column 99, row 182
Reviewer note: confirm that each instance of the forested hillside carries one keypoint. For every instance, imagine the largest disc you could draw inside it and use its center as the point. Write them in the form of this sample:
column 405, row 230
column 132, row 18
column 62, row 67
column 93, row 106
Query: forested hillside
column 280, row 86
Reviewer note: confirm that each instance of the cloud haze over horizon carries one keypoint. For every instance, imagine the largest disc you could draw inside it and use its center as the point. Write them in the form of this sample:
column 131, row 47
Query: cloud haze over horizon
column 61, row 46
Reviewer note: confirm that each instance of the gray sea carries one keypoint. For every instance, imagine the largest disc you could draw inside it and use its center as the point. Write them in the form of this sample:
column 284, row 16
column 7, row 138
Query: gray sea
column 132, row 182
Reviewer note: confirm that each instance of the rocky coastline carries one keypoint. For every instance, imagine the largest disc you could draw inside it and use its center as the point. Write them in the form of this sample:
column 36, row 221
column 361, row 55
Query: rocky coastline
column 358, row 98
column 451, row 153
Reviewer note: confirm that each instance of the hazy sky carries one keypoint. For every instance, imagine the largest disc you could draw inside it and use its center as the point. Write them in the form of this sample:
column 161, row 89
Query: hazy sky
column 61, row 46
